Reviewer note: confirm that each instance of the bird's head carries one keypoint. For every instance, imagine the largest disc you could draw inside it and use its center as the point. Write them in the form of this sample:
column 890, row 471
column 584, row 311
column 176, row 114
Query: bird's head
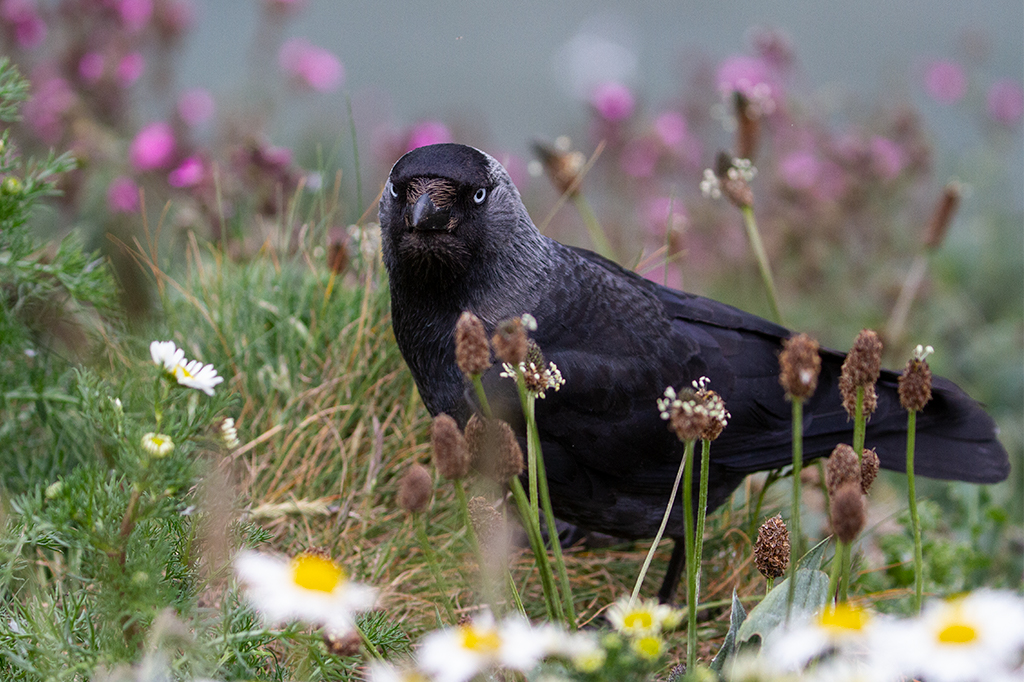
column 447, row 208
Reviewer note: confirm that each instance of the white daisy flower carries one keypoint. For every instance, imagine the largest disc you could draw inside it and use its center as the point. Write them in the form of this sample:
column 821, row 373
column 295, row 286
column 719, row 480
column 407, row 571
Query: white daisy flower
column 844, row 626
column 308, row 588
column 165, row 354
column 386, row 672
column 195, row 374
column 157, row 444
column 643, row 617
column 228, row 433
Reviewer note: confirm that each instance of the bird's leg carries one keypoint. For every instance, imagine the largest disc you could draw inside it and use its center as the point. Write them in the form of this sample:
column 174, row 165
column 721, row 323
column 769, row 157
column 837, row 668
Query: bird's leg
column 673, row 571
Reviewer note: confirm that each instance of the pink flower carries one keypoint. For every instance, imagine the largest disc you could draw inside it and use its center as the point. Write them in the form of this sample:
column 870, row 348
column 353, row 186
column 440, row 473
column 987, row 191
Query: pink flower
column 887, row 158
column 945, row 81
column 29, row 28
column 800, row 170
column 123, row 195
column 90, row 66
column 174, row 17
column 658, row 219
column 153, row 147
column 195, row 106
column 310, row 66
column 135, row 14
column 285, row 5
column 639, row 157
column 428, row 132
column 1006, row 102
column 50, row 100
column 670, row 128
column 751, row 76
column 130, row 68
column 188, row 174
column 613, row 101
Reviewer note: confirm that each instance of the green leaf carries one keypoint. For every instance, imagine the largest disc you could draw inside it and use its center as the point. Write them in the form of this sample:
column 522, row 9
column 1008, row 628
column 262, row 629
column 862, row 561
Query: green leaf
column 811, row 595
column 812, row 560
column 736, row 618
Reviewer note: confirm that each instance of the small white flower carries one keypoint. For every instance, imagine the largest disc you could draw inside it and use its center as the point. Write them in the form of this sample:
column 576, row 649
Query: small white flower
column 228, row 433
column 710, row 187
column 167, row 355
column 308, row 588
column 642, row 618
column 529, row 322
column 537, row 380
column 195, row 374
column 833, row 628
column 157, row 444
column 922, row 352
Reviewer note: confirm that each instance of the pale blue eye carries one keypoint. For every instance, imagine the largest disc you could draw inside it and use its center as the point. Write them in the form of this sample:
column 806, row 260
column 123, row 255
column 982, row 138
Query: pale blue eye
column 391, row 188
column 480, row 195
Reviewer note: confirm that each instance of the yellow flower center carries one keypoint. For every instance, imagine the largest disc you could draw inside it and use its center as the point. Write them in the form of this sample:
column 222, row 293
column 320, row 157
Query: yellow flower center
column 478, row 640
column 844, row 617
column 158, row 440
column 958, row 633
column 639, row 620
column 182, row 371
column 648, row 647
column 314, row 572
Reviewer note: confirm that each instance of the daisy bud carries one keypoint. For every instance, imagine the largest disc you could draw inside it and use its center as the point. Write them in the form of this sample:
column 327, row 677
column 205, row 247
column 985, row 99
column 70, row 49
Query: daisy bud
column 915, row 384
column 771, row 550
column 415, row 489
column 494, row 449
column 509, row 341
column 451, row 454
column 849, row 513
column 869, row 464
column 800, row 366
column 472, row 352
column 841, row 467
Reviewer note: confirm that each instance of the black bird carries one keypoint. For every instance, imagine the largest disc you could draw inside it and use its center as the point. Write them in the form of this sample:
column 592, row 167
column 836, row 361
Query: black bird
column 457, row 237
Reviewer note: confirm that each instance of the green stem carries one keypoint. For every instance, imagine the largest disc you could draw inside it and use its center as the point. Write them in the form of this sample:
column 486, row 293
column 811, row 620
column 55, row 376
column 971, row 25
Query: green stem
column 687, row 453
column 844, row 585
column 795, row 536
column 762, row 260
column 834, row 570
column 769, row 584
column 370, row 646
column 601, row 243
column 478, row 386
column 702, row 505
column 420, row 522
column 915, row 521
column 691, row 567
column 551, row 601
column 556, row 545
column 859, row 425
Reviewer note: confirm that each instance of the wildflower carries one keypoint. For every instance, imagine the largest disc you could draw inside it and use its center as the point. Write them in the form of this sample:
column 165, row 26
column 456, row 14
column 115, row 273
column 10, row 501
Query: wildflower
column 157, row 444
column 494, row 448
column 869, row 465
column 122, row 195
column 943, row 215
column 841, row 467
column 510, row 342
column 153, row 147
column 848, row 511
column 427, row 133
column 771, row 550
column 167, row 355
column 486, row 520
column 29, row 27
column 228, row 433
column 189, row 173
column 860, row 370
column 311, row 66
column 195, row 374
column 415, row 489
column 718, row 416
column 695, row 413
column 451, row 453
column 840, row 629
column 309, row 587
column 91, row 66
column 945, row 81
column 386, row 672
column 751, row 76
column 887, row 159
column 800, row 170
column 642, row 617
column 538, row 379
column 458, row 654
column 195, row 106
column 979, row 636
column 1005, row 102
column 649, row 647
column 710, row 187
column 800, row 366
column 129, row 69
column 612, row 101
column 915, row 384
column 562, row 166
column 748, row 131
column 734, row 176
column 472, row 352
column 135, row 14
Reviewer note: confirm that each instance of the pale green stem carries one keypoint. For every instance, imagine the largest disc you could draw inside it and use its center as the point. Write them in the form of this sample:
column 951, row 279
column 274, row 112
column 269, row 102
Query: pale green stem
column 915, row 521
column 551, row 601
column 597, row 235
column 691, row 567
column 702, row 503
column 419, row 521
column 762, row 260
column 859, row 425
column 835, row 570
column 795, row 536
column 844, row 586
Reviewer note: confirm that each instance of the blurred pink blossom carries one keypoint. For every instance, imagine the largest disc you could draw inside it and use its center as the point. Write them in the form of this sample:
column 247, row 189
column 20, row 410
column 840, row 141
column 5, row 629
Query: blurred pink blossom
column 51, row 97
column 673, row 278
column 640, row 157
column 311, row 66
column 945, row 81
column 428, row 132
column 188, row 174
column 657, row 219
column 135, row 14
column 751, row 76
column 800, row 170
column 195, row 106
column 1006, row 102
column 670, row 127
column 174, row 17
column 887, row 158
column 613, row 101
column 29, row 28
column 90, row 66
column 285, row 5
column 122, row 195
column 153, row 147
column 130, row 68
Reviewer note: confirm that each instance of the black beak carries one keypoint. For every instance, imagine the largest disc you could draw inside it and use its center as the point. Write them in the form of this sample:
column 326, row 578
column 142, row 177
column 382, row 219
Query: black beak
column 424, row 215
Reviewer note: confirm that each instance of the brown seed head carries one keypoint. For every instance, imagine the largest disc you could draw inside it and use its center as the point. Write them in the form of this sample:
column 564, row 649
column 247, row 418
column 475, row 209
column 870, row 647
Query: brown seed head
column 494, row 449
column 562, row 167
column 415, row 489
column 748, row 129
column 472, row 352
column 841, row 467
column 486, row 520
column 510, row 342
column 864, row 362
column 800, row 365
column 688, row 416
column 849, row 512
column 718, row 416
column 771, row 550
column 849, row 392
column 915, row 385
column 451, row 454
column 945, row 210
column 869, row 464
column 734, row 179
